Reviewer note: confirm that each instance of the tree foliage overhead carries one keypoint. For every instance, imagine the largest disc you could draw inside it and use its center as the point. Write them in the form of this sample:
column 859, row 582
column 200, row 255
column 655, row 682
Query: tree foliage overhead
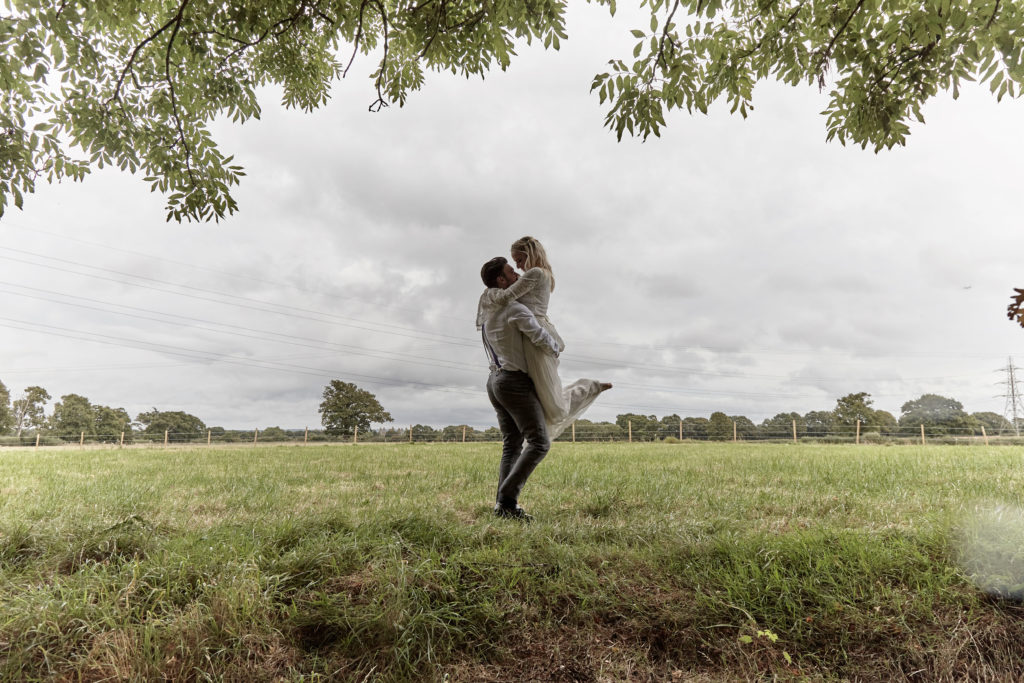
column 136, row 84
column 1015, row 311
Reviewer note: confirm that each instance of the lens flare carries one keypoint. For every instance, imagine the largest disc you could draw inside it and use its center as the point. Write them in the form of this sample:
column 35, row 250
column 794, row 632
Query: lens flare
column 991, row 550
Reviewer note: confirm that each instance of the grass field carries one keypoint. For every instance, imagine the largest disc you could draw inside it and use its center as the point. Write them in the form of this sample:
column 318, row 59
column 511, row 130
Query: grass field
column 383, row 562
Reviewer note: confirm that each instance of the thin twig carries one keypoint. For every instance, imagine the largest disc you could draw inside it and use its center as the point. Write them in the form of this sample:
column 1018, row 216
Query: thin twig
column 290, row 20
column 895, row 69
column 380, row 103
column 359, row 36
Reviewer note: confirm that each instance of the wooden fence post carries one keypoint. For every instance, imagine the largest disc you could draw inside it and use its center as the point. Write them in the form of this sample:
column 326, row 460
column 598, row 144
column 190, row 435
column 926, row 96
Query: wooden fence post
column 37, row 439
column 81, row 440
column 734, row 439
column 629, row 424
column 209, row 436
column 463, row 433
column 857, row 438
column 410, row 434
column 794, row 431
column 305, row 437
column 984, row 435
column 255, row 436
column 166, row 436
column 355, row 435
column 574, row 432
column 680, row 430
column 922, row 434
column 122, row 440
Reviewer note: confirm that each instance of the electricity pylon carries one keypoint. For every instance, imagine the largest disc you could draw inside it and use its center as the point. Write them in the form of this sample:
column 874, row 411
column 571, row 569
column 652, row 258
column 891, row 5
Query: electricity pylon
column 1014, row 410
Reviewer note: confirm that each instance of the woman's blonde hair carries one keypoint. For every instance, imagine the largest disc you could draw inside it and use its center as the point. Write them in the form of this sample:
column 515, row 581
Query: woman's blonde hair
column 536, row 257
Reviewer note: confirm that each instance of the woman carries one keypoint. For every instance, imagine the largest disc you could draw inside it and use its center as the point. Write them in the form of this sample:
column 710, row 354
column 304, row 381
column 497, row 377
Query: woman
column 562, row 404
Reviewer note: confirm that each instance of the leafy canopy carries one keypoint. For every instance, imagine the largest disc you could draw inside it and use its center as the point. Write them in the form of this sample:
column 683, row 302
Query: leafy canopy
column 29, row 410
column 938, row 414
column 346, row 408
column 175, row 425
column 6, row 414
column 136, row 83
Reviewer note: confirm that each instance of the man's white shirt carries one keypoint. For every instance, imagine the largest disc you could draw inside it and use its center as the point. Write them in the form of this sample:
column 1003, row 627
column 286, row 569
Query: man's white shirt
column 506, row 329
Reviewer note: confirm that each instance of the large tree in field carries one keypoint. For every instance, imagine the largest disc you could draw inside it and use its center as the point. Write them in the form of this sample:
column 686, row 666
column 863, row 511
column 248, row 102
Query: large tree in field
column 781, row 426
column 720, row 427
column 938, row 414
column 136, row 84
column 346, row 407
column 29, row 410
column 6, row 415
column 819, row 423
column 176, row 425
column 109, row 423
column 994, row 423
column 72, row 415
column 854, row 408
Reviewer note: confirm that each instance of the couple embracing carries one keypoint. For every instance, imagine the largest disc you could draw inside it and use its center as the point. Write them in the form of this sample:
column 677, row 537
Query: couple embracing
column 522, row 346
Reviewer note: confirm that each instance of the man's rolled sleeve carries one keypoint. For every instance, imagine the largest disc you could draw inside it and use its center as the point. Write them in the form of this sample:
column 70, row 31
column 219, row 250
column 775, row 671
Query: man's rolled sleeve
column 523, row 319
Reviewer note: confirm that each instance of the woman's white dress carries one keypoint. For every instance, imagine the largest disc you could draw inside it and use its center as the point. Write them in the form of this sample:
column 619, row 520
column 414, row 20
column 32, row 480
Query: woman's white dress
column 562, row 405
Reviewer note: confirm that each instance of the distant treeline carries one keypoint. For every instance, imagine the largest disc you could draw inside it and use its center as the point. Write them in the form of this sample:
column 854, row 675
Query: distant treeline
column 75, row 419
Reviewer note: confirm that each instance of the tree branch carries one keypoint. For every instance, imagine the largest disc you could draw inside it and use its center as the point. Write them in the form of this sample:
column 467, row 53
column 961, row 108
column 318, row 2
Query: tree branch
column 170, row 85
column 442, row 25
column 827, row 52
column 138, row 48
column 660, row 59
column 789, row 20
column 995, row 11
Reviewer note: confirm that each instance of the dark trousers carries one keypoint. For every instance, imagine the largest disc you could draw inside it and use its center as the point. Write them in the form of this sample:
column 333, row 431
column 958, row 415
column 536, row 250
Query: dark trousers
column 520, row 418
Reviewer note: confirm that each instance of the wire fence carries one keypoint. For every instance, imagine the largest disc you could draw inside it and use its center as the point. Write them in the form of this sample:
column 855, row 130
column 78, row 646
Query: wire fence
column 583, row 432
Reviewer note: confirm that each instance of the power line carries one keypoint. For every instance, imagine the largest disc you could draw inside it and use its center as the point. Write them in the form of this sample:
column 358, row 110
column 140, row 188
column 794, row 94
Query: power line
column 296, row 340
column 409, row 332
column 239, row 330
column 454, row 339
column 212, row 357
column 225, row 273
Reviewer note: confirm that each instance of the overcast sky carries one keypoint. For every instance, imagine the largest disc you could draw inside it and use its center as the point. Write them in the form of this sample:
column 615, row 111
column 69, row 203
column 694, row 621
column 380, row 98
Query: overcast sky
column 738, row 265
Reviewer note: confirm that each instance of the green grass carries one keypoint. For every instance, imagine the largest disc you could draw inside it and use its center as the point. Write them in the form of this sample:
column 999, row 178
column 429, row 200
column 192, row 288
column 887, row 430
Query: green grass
column 383, row 562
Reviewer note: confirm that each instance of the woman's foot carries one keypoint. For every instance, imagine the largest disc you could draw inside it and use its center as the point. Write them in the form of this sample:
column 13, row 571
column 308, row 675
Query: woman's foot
column 605, row 386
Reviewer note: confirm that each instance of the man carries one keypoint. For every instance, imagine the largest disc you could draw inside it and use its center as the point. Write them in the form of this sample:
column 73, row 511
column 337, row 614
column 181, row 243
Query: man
column 505, row 329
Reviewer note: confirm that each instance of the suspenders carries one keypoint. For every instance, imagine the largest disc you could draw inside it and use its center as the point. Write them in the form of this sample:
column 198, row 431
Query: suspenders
column 490, row 350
